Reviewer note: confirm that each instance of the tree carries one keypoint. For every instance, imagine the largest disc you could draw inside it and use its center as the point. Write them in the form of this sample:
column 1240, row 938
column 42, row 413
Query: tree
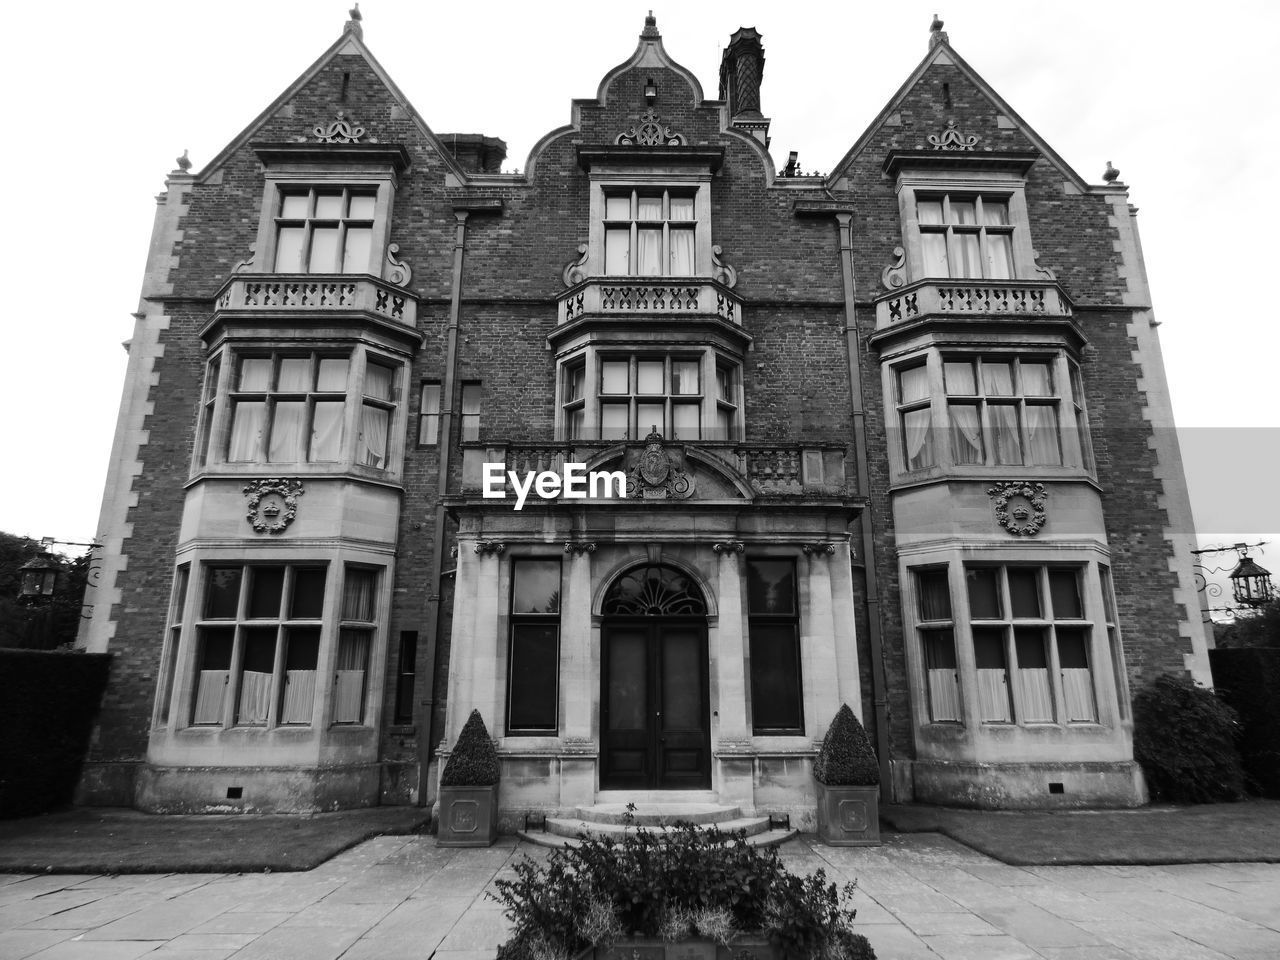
column 46, row 625
column 1260, row 630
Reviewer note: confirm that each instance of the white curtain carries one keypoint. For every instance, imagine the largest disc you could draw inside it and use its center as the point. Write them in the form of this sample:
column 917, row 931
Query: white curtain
column 295, row 375
column 255, row 697
column 1077, row 692
column 373, row 436
column 1004, row 432
column 934, row 250
column 247, row 421
column 326, row 431
column 357, row 594
column 649, row 254
column 919, row 449
column 348, row 692
column 944, row 695
column 682, row 253
column 993, row 696
column 966, row 432
column 209, row 688
column 1042, row 434
column 997, row 379
column 299, row 695
column 286, row 431
column 1036, row 694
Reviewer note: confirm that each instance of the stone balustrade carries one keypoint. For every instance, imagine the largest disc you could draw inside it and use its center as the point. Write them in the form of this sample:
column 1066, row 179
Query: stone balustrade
column 313, row 293
column 666, row 296
column 1019, row 299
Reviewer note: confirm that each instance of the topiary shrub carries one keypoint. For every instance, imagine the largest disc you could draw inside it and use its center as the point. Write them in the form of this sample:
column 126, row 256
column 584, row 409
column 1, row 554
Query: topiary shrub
column 1184, row 737
column 846, row 758
column 474, row 761
column 1248, row 681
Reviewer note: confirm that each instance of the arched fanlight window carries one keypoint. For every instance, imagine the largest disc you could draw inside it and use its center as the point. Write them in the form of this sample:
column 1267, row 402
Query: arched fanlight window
column 654, row 591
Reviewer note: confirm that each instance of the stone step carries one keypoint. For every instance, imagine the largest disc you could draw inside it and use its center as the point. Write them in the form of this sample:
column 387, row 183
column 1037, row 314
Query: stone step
column 765, row 838
column 572, row 826
column 649, row 814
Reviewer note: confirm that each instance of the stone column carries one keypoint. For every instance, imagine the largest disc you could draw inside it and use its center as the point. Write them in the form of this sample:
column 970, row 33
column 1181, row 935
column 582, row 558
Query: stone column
column 731, row 736
column 846, row 639
column 461, row 645
column 579, row 690
column 821, row 670
column 487, row 672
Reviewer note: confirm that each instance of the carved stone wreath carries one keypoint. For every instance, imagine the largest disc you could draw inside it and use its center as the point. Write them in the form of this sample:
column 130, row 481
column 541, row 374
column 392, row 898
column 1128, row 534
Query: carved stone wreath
column 650, row 133
column 273, row 503
column 1019, row 506
column 658, row 473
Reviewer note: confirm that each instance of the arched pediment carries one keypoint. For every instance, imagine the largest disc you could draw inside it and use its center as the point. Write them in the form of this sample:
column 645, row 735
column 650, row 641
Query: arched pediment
column 662, row 470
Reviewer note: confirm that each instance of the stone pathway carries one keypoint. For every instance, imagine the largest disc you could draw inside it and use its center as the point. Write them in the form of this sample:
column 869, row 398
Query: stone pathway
column 402, row 898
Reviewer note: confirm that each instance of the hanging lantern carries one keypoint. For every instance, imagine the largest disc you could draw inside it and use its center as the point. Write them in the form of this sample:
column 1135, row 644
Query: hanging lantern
column 39, row 576
column 1251, row 584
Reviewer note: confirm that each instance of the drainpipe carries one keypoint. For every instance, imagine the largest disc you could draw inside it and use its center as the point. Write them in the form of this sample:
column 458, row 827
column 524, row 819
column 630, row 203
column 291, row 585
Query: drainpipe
column 874, row 625
column 444, row 439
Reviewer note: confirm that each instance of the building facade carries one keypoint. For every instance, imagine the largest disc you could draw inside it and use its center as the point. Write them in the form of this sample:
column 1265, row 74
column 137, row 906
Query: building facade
column 655, row 454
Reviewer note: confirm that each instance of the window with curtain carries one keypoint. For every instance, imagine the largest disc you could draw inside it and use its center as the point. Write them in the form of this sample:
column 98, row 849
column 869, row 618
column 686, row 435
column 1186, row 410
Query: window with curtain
column 1032, row 644
column 773, row 620
column 376, row 410
column 639, row 394
column 649, row 233
column 936, row 631
column 355, row 640
column 429, row 414
column 965, row 235
column 533, row 662
column 1002, row 410
column 259, row 626
column 325, row 230
column 915, row 417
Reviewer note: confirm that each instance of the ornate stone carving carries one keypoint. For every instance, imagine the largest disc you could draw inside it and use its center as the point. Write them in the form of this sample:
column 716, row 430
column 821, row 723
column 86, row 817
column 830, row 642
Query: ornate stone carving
column 952, row 139
column 895, row 275
column 1019, row 506
column 1110, row 175
column 184, row 162
column 658, row 473
column 247, row 262
column 650, row 133
column 487, row 548
column 1044, row 272
column 819, row 548
column 729, row 546
column 720, row 270
column 400, row 273
column 340, row 130
column 579, row 547
column 273, row 503
column 573, row 272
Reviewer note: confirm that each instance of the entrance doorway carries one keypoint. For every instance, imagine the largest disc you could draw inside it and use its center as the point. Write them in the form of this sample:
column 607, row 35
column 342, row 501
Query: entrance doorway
column 654, row 702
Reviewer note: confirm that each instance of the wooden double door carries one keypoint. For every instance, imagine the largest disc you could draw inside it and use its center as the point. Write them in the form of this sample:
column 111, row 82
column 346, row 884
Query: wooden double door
column 654, row 712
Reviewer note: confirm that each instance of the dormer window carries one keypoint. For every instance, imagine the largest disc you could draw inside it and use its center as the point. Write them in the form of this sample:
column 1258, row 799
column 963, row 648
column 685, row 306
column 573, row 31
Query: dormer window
column 650, row 234
column 325, row 230
column 965, row 235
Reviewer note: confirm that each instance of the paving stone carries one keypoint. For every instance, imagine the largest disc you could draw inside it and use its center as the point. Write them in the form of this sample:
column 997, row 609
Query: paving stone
column 236, row 922
column 960, row 946
column 933, row 924
column 95, row 914
column 162, row 921
column 1036, row 927
column 20, row 944
column 97, row 950
column 325, row 914
column 477, row 929
column 896, row 943
column 302, row 943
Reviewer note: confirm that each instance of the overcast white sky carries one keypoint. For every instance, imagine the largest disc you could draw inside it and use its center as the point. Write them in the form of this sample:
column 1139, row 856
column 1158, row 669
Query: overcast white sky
column 103, row 97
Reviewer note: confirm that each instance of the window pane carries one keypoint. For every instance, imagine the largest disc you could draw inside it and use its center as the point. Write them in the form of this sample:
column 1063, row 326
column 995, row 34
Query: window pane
column 686, row 421
column 966, row 433
column 988, row 648
column 726, row 383
column 1042, row 434
column 1073, row 648
column 1037, row 380
column 1004, row 432
column 536, row 586
column 684, row 377
column 1035, row 690
column 378, row 381
column 257, row 668
column 613, row 421
column 1108, row 598
column 682, row 254
column 289, row 249
column 213, row 674
column 613, row 376
column 358, row 596
column 356, row 250
column 649, row 208
column 575, row 383
column 302, row 648
column 255, row 374
column 913, row 384
column 332, row 376
column 328, row 206
column 535, row 671
column 326, row 432
column 929, row 211
column 575, row 420
column 649, row 252
column 1029, row 644
column 649, row 377
column 1024, row 592
column 362, row 206
column 999, row 256
column 963, row 212
column 348, row 681
column 265, row 586
column 941, row 675
column 918, row 437
column 308, row 594
column 724, row 425
column 1064, row 592
column 682, row 208
column 371, row 445
column 968, row 255
column 959, row 378
column 984, row 593
column 995, row 212
column 617, row 208
column 933, row 594
column 775, row 677
column 939, row 650
column 933, row 250
column 294, row 206
column 617, row 251
column 993, row 676
column 324, row 250
column 429, row 425
column 997, row 378
column 222, row 593
column 248, row 418
column 771, row 586
column 650, row 417
column 295, row 375
column 286, row 431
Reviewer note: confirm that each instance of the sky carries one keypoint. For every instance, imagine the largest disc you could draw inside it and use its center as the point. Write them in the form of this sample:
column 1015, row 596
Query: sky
column 1182, row 104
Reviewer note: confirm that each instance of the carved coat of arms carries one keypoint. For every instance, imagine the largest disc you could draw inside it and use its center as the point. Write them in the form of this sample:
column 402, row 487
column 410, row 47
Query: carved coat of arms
column 273, row 503
column 1019, row 506
column 658, row 473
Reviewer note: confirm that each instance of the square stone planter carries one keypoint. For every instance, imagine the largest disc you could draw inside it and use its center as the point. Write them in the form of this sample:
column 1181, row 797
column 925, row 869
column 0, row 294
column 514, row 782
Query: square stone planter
column 697, row 948
column 848, row 816
column 468, row 816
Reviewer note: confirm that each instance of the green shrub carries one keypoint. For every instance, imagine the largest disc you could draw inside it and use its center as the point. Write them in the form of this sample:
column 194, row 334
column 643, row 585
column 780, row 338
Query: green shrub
column 1248, row 681
column 474, row 760
column 672, row 885
column 1184, row 737
column 846, row 757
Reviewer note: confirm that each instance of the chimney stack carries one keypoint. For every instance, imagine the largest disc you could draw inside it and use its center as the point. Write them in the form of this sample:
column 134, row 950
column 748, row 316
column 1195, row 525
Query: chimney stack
column 741, row 70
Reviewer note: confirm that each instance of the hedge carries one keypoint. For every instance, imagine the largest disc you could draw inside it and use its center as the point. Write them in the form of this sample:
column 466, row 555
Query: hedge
column 48, row 702
column 1184, row 737
column 1249, row 681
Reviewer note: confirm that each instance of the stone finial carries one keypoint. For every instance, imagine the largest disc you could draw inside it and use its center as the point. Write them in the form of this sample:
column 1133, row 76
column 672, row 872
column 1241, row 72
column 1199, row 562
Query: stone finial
column 936, row 34
column 184, row 162
column 353, row 25
column 650, row 28
column 1110, row 174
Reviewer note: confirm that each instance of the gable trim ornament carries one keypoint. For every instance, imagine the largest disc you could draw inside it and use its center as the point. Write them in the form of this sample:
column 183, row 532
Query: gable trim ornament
column 658, row 473
column 340, row 130
column 650, row 133
column 1019, row 506
column 952, row 139
column 272, row 504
